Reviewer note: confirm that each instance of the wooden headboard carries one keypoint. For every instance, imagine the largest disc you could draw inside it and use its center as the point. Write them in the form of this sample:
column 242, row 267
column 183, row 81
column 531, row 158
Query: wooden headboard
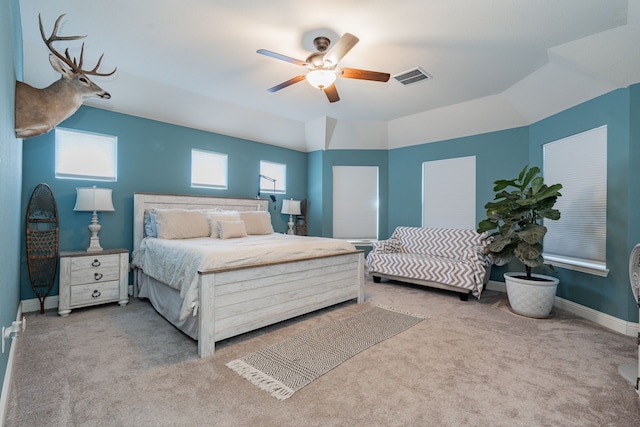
column 144, row 201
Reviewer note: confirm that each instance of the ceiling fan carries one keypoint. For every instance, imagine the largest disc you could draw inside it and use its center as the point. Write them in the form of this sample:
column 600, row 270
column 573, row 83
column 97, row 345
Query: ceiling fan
column 322, row 66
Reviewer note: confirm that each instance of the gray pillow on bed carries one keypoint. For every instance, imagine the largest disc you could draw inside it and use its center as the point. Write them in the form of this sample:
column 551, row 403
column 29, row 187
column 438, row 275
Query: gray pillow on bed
column 150, row 228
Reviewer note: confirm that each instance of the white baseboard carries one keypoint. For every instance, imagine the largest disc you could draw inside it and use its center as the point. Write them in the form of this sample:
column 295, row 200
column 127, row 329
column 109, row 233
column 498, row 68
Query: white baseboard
column 31, row 305
column 602, row 319
column 6, row 384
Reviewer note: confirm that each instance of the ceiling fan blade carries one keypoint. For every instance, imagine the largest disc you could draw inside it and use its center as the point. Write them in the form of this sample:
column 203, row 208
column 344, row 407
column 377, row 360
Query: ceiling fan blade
column 289, row 82
column 332, row 93
column 354, row 73
column 281, row 57
column 340, row 48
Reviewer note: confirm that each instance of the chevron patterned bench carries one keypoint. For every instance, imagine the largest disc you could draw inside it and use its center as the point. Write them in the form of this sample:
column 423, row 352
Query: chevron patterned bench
column 444, row 258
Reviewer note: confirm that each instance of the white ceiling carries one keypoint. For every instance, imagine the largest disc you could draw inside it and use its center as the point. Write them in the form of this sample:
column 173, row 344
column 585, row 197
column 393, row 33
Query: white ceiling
column 495, row 64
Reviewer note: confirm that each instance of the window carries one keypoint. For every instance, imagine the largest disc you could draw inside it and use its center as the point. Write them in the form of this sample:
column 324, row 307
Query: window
column 449, row 193
column 577, row 240
column 273, row 177
column 355, row 202
column 208, row 169
column 85, row 155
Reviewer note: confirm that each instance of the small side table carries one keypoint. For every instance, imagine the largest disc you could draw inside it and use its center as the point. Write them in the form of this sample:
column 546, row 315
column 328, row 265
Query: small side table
column 91, row 278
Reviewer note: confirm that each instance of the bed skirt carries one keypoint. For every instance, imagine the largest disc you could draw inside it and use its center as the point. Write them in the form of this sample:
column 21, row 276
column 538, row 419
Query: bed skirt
column 167, row 302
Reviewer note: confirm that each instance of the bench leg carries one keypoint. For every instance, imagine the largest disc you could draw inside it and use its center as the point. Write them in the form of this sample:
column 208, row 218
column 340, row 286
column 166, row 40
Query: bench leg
column 376, row 279
column 464, row 297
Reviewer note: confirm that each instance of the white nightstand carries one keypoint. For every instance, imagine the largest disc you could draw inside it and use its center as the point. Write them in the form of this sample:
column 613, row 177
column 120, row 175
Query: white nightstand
column 91, row 278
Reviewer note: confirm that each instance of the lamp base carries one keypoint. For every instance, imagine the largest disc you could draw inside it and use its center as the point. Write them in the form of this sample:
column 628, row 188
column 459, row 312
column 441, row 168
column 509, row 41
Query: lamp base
column 290, row 224
column 94, row 227
column 94, row 245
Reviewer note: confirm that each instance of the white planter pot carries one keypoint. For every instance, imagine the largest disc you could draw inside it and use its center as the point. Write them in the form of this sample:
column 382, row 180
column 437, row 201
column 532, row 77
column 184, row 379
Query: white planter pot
column 532, row 298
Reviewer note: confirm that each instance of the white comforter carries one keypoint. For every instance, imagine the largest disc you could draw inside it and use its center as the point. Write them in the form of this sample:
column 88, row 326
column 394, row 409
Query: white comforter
column 176, row 262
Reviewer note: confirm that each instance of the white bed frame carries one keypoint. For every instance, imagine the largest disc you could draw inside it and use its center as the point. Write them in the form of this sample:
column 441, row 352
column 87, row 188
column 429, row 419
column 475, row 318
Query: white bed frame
column 236, row 300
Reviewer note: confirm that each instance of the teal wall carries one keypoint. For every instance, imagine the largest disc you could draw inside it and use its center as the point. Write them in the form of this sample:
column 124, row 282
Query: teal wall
column 315, row 202
column 634, row 172
column 10, row 169
column 498, row 155
column 152, row 157
column 611, row 294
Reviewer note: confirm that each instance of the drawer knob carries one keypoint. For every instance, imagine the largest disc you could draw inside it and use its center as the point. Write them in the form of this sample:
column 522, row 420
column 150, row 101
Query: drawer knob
column 96, row 293
column 96, row 263
column 97, row 276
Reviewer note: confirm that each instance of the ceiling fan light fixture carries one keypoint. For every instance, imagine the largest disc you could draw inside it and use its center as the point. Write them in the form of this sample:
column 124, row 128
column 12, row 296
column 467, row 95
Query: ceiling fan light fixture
column 321, row 79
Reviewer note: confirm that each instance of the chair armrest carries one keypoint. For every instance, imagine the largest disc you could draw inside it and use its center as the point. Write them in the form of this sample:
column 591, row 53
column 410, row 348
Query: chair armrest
column 391, row 245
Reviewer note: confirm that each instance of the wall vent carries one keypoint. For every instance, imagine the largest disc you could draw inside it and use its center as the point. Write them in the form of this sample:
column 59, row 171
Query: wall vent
column 415, row 75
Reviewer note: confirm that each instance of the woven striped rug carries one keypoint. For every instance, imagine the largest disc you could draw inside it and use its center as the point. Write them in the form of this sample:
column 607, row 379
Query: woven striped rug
column 286, row 367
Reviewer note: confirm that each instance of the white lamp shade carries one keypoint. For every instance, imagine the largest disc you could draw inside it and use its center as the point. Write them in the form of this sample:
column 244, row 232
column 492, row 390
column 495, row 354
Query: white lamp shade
column 321, row 79
column 291, row 207
column 93, row 199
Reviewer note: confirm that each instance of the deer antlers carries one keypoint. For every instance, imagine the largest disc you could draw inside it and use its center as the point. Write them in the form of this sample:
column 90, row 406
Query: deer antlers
column 75, row 66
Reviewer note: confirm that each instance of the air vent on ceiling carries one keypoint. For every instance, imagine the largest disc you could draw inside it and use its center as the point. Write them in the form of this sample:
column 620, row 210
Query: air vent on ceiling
column 412, row 76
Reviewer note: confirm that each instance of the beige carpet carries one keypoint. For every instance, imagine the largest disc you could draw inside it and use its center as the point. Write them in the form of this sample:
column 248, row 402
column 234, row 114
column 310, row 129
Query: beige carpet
column 471, row 364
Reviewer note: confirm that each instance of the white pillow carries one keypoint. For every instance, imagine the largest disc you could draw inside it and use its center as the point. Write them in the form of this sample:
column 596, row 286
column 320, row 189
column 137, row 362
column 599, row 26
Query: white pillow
column 181, row 224
column 257, row 222
column 231, row 229
column 215, row 217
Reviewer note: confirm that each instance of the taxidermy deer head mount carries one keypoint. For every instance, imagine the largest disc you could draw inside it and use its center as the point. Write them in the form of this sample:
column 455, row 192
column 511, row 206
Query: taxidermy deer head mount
column 40, row 110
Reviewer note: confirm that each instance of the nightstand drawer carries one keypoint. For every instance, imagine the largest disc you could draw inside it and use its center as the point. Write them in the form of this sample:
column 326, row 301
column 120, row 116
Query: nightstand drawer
column 94, row 293
column 95, row 269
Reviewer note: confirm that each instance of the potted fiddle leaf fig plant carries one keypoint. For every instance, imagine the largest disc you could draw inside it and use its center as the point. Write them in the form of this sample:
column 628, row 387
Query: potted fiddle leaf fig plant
column 515, row 230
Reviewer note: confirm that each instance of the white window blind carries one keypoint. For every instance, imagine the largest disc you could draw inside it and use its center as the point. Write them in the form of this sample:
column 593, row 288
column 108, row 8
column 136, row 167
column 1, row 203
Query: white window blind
column 86, row 155
column 578, row 239
column 355, row 202
column 449, row 193
column 208, row 169
column 274, row 171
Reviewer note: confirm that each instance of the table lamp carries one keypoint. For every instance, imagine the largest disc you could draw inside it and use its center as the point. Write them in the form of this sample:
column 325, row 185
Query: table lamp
column 291, row 207
column 92, row 199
